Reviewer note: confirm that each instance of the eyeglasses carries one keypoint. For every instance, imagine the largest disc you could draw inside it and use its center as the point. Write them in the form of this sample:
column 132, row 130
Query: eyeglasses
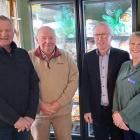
column 104, row 35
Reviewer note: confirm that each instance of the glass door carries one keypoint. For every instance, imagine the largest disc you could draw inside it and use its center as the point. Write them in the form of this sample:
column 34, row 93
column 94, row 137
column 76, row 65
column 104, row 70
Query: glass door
column 61, row 17
column 118, row 14
column 4, row 9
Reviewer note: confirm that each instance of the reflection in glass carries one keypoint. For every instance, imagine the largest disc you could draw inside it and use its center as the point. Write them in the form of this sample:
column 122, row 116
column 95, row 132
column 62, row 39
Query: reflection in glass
column 117, row 14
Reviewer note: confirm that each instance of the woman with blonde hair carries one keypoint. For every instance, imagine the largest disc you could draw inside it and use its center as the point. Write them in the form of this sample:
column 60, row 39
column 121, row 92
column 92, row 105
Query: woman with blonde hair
column 126, row 103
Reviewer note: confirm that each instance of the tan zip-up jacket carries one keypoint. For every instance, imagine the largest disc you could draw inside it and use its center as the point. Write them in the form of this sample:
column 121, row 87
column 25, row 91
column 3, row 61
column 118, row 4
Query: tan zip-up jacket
column 57, row 83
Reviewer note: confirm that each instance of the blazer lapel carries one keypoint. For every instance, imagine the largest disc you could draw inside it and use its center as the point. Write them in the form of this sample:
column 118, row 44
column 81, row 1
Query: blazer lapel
column 110, row 64
column 96, row 64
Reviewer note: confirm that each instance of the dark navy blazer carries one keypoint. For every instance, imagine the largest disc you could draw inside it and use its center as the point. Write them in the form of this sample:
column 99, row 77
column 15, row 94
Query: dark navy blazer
column 91, row 84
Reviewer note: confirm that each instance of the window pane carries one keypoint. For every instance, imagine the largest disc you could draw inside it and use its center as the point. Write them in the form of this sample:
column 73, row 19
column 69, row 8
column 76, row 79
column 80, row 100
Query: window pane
column 118, row 14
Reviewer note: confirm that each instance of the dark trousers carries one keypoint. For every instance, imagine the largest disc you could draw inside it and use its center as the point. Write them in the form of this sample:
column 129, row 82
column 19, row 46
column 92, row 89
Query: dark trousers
column 8, row 132
column 131, row 135
column 105, row 129
column 107, row 133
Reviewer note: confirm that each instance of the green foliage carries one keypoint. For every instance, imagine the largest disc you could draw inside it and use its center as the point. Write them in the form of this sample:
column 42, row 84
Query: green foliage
column 66, row 22
column 114, row 22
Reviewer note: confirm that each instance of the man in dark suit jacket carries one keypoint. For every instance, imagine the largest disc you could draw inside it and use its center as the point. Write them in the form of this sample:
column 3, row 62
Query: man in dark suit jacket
column 100, row 70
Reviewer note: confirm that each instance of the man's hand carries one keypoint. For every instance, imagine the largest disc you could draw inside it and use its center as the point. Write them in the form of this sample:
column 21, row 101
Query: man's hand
column 88, row 118
column 47, row 108
column 22, row 124
column 50, row 108
column 55, row 106
column 30, row 120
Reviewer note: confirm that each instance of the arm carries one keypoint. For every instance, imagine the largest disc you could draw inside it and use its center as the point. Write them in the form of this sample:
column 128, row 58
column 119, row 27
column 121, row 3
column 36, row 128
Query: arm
column 117, row 119
column 85, row 87
column 115, row 107
column 115, row 101
column 33, row 92
column 71, row 87
column 132, row 108
column 7, row 113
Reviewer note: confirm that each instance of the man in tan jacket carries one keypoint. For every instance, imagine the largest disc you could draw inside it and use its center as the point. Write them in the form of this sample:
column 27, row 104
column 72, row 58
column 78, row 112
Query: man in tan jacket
column 58, row 76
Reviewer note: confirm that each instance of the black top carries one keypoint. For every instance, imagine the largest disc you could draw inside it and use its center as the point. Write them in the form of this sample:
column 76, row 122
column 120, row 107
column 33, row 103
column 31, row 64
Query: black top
column 19, row 89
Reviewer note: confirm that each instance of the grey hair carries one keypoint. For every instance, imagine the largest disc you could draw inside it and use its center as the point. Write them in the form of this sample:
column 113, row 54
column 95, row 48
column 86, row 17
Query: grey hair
column 106, row 24
column 47, row 28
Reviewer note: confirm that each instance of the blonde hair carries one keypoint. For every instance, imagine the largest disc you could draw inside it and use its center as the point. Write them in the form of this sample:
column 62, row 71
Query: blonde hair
column 137, row 33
